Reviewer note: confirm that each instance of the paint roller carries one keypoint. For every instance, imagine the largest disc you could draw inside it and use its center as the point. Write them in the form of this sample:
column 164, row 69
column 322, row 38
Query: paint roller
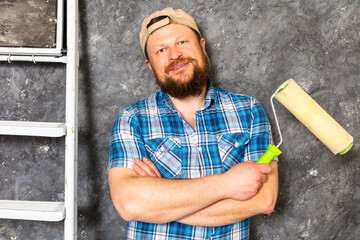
column 313, row 116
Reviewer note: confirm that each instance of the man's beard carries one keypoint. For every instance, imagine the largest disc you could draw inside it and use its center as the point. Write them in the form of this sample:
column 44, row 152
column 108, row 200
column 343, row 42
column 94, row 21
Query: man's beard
column 193, row 86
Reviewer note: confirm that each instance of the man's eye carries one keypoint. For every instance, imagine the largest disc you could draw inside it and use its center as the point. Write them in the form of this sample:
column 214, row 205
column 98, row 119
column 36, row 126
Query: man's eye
column 181, row 42
column 161, row 50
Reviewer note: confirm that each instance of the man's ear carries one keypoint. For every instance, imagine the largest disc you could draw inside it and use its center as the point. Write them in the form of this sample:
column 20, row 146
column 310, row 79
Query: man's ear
column 147, row 62
column 202, row 44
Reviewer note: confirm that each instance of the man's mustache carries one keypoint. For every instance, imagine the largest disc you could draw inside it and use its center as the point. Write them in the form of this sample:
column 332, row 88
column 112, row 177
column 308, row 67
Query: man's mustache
column 179, row 61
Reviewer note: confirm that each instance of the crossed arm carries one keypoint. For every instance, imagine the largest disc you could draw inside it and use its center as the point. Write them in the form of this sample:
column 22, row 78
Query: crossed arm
column 245, row 190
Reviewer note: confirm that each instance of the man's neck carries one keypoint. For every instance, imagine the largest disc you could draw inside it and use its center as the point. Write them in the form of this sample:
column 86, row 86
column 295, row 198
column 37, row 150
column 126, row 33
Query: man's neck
column 191, row 102
column 188, row 106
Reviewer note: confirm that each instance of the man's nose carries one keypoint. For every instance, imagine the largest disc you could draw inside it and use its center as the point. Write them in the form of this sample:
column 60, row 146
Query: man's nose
column 175, row 53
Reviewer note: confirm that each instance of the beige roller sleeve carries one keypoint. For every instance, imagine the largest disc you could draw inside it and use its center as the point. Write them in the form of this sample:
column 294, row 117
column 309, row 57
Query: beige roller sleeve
column 314, row 117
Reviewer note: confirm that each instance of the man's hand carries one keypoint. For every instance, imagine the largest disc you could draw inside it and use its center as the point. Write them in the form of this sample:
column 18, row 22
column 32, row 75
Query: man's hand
column 243, row 181
column 230, row 211
column 146, row 168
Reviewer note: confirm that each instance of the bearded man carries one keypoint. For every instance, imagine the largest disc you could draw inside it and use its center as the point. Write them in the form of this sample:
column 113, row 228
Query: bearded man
column 182, row 161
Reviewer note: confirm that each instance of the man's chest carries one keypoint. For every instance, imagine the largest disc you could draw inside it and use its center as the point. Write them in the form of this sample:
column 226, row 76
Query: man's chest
column 181, row 151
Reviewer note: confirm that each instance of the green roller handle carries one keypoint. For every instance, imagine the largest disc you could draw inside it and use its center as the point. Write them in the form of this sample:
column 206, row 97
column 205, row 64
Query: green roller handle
column 269, row 155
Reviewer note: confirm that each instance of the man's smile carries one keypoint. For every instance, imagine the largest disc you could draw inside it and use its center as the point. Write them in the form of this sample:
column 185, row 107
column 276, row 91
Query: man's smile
column 179, row 66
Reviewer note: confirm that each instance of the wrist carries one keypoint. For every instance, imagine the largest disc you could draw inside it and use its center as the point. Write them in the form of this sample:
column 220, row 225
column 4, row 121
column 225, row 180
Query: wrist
column 221, row 186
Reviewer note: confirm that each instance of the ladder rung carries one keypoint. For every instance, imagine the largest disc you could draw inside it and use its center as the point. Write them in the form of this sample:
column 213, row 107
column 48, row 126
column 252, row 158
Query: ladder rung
column 32, row 210
column 40, row 129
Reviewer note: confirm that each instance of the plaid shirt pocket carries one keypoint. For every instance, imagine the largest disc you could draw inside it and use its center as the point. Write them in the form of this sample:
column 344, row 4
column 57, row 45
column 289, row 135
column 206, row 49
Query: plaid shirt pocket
column 165, row 154
column 231, row 148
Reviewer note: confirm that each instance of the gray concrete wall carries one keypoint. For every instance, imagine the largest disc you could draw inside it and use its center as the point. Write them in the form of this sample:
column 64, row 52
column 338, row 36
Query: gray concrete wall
column 254, row 46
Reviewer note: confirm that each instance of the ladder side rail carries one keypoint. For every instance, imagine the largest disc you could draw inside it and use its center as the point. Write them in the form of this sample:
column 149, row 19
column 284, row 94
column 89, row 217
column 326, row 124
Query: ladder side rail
column 71, row 139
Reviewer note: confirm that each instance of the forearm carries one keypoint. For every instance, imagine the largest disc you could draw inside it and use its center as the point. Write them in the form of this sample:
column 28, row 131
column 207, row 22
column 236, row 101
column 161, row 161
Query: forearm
column 157, row 200
column 230, row 211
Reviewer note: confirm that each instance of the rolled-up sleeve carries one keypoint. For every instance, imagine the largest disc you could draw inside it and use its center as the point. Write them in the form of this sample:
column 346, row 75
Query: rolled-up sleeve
column 126, row 142
column 260, row 133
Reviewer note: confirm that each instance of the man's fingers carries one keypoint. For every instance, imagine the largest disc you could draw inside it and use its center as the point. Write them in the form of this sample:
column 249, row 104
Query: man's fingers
column 145, row 168
column 264, row 168
column 263, row 178
column 138, row 170
column 152, row 166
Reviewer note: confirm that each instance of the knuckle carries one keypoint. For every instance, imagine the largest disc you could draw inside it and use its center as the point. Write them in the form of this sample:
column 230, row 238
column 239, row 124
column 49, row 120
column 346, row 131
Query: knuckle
column 140, row 163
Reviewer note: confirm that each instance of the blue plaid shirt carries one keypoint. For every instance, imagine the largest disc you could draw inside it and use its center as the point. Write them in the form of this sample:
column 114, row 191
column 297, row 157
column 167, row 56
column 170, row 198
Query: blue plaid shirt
column 230, row 129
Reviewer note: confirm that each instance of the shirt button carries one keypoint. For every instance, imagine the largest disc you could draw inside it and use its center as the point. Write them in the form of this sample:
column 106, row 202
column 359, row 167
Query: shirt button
column 162, row 149
column 237, row 144
column 200, row 149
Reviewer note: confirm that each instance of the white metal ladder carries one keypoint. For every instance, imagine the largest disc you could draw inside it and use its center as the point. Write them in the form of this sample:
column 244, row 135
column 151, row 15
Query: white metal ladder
column 53, row 211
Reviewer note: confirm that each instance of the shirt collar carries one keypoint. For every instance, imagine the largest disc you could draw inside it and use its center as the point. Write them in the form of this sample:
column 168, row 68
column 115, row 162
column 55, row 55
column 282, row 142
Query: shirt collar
column 163, row 99
column 210, row 96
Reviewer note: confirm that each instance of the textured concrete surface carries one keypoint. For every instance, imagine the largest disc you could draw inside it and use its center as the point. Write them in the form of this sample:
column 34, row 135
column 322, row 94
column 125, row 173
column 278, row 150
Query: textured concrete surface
column 254, row 46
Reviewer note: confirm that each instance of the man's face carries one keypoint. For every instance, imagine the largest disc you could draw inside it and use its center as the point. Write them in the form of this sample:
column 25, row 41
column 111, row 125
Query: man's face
column 178, row 61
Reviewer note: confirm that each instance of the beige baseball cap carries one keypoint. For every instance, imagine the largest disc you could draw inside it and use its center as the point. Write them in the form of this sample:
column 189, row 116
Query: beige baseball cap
column 172, row 16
